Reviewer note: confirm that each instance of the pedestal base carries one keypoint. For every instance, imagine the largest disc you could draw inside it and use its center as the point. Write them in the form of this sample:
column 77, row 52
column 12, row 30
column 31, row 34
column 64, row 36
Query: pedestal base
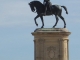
column 51, row 43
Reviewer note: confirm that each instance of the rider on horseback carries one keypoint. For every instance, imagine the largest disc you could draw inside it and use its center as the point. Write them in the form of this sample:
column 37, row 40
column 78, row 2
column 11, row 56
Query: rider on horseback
column 47, row 5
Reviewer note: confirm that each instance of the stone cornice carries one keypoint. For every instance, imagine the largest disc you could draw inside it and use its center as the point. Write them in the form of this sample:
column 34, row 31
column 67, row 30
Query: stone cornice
column 51, row 31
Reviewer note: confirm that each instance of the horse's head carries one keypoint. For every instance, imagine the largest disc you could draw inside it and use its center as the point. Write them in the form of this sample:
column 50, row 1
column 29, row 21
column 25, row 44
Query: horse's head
column 35, row 5
column 32, row 6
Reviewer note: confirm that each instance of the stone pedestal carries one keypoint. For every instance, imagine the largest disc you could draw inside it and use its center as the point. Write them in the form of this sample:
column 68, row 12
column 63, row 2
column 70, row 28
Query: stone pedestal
column 51, row 44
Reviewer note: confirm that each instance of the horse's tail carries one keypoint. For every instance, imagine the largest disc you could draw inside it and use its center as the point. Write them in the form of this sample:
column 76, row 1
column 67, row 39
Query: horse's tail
column 65, row 9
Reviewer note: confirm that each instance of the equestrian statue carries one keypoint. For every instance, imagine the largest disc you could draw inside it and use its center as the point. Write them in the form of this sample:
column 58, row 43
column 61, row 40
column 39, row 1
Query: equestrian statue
column 47, row 9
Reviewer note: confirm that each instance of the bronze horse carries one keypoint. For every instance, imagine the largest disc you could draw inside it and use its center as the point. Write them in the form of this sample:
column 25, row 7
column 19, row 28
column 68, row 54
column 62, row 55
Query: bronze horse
column 55, row 9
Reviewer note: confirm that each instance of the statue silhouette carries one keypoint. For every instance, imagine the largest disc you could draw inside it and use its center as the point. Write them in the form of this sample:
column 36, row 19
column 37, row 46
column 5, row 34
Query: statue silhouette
column 54, row 9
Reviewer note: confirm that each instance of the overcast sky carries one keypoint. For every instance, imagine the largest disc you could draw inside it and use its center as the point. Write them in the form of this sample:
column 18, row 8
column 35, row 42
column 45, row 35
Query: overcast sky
column 17, row 24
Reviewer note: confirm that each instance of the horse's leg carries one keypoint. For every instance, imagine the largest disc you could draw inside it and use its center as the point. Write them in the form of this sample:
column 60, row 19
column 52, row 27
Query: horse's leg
column 63, row 21
column 35, row 20
column 42, row 21
column 56, row 21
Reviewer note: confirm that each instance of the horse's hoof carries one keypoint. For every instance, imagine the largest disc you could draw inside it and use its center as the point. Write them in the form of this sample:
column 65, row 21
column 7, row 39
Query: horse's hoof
column 36, row 24
column 64, row 26
column 53, row 26
column 42, row 27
